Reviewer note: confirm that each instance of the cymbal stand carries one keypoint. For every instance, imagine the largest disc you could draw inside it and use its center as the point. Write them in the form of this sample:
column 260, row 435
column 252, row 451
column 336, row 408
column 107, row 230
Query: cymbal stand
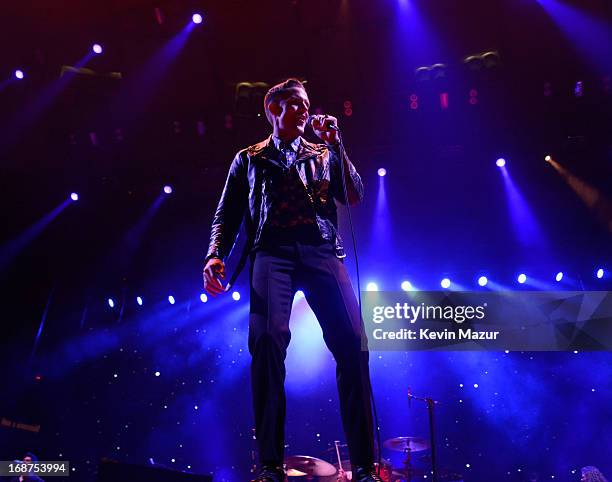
column 341, row 474
column 431, row 403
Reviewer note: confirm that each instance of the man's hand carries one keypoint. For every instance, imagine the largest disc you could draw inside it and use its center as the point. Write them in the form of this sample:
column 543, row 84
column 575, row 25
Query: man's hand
column 320, row 126
column 213, row 271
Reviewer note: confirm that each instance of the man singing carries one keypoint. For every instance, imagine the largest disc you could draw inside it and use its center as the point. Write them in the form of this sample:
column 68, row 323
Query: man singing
column 287, row 188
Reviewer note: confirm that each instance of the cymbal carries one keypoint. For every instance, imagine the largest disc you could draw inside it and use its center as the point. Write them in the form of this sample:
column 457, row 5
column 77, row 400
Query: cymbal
column 402, row 444
column 306, row 465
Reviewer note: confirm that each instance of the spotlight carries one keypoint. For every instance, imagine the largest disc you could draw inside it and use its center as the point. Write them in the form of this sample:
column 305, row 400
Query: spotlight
column 406, row 285
column 203, row 298
column 168, row 189
column 371, row 287
column 19, row 74
column 548, row 158
column 382, row 172
column 97, row 48
column 235, row 296
column 445, row 283
column 600, row 273
column 139, row 300
column 501, row 162
column 521, row 278
column 196, row 18
column 559, row 276
column 111, row 303
column 482, row 281
column 171, row 300
column 74, row 196
column 299, row 294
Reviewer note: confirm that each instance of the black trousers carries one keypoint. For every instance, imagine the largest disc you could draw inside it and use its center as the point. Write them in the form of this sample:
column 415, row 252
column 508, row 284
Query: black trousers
column 277, row 272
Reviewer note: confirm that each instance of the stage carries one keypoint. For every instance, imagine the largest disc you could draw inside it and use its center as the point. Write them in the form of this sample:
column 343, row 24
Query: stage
column 482, row 135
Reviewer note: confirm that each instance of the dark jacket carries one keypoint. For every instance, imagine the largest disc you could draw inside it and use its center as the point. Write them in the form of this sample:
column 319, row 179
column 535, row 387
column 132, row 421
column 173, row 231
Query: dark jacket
column 248, row 191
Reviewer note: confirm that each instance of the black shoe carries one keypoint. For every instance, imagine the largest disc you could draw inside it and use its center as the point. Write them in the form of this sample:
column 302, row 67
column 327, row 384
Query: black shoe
column 270, row 473
column 362, row 474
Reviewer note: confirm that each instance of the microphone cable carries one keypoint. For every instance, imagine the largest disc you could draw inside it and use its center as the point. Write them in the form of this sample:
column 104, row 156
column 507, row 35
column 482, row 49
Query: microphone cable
column 350, row 219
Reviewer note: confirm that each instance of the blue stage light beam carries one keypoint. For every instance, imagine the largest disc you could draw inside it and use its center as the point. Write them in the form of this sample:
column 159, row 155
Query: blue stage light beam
column 140, row 89
column 31, row 112
column 126, row 250
column 16, row 77
column 526, row 227
column 496, row 286
column 13, row 247
column 530, row 281
column 381, row 231
column 591, row 36
column 159, row 321
column 414, row 44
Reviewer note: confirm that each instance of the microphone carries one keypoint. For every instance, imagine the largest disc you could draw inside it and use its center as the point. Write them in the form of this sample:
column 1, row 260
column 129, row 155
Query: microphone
column 327, row 122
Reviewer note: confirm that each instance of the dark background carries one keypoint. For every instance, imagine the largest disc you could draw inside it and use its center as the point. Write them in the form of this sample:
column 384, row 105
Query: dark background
column 175, row 118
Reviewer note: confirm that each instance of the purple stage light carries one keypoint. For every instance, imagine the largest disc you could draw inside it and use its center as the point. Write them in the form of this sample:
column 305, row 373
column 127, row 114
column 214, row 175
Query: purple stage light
column 382, row 172
column 74, row 196
column 501, row 162
column 168, row 189
column 97, row 48
column 196, row 18
column 19, row 74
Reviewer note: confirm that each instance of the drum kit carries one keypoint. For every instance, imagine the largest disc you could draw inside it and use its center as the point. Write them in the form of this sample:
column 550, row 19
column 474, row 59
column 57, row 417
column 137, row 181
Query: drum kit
column 313, row 468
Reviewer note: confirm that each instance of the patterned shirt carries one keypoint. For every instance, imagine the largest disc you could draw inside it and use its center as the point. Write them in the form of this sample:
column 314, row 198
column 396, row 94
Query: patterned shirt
column 291, row 206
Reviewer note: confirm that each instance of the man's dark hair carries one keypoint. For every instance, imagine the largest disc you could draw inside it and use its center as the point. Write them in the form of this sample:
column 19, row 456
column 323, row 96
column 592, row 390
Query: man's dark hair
column 31, row 455
column 279, row 92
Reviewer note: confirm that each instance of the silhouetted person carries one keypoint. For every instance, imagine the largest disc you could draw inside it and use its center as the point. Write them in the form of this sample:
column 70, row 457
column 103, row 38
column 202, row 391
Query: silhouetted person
column 286, row 189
